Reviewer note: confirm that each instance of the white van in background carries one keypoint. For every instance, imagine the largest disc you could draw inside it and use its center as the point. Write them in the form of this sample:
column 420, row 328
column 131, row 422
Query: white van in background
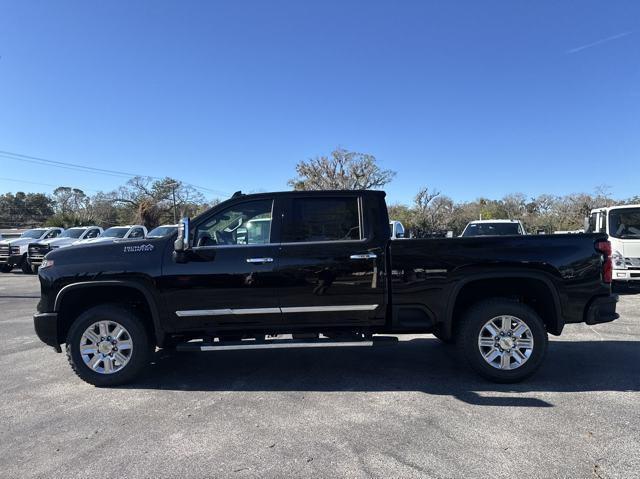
column 622, row 224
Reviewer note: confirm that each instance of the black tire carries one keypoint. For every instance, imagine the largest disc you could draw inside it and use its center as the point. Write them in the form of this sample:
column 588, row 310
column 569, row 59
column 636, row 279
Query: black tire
column 140, row 353
column 6, row 268
column 477, row 316
column 25, row 267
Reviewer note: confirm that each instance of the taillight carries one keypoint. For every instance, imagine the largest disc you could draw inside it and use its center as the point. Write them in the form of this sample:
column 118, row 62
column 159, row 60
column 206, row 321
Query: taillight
column 607, row 268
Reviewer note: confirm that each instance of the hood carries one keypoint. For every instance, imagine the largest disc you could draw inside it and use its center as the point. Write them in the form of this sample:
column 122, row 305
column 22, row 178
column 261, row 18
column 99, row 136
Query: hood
column 106, row 258
column 99, row 239
column 21, row 241
column 58, row 241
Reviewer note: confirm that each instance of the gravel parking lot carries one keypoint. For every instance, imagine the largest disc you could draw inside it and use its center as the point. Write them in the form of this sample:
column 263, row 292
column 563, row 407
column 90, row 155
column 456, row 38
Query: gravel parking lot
column 409, row 410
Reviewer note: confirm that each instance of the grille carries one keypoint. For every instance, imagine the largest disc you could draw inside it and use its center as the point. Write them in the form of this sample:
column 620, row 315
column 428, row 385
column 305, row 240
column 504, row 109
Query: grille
column 4, row 250
column 37, row 251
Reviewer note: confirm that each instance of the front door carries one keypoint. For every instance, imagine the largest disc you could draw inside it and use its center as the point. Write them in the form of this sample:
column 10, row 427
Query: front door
column 330, row 270
column 228, row 280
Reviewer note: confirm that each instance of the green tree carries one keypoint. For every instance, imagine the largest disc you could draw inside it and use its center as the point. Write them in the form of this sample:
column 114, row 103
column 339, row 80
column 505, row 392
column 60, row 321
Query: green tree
column 342, row 170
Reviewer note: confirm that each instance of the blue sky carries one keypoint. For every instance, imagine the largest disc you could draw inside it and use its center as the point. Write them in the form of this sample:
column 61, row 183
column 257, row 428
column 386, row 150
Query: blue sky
column 474, row 98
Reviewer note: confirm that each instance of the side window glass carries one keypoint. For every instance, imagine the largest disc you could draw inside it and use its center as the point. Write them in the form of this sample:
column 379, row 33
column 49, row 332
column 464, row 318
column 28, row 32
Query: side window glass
column 322, row 219
column 399, row 231
column 242, row 224
column 52, row 234
column 137, row 233
column 92, row 233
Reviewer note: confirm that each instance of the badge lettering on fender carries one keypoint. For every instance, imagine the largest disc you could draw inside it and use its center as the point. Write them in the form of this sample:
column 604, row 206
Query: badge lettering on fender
column 141, row 248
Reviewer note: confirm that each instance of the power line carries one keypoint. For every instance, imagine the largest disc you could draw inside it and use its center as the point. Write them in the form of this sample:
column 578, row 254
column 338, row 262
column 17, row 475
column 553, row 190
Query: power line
column 89, row 169
column 35, row 183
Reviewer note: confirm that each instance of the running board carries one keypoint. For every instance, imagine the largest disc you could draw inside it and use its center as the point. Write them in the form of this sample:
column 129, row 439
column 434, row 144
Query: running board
column 282, row 343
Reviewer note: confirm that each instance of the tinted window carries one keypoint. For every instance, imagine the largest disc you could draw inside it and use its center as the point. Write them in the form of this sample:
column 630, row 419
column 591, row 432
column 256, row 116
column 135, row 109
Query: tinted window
column 72, row 233
column 52, row 234
column 93, row 233
column 491, row 229
column 241, row 224
column 115, row 232
column 162, row 231
column 624, row 223
column 32, row 234
column 137, row 233
column 322, row 219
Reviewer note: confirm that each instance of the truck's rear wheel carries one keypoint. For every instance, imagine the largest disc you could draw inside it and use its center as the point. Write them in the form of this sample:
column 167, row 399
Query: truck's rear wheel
column 502, row 340
column 108, row 346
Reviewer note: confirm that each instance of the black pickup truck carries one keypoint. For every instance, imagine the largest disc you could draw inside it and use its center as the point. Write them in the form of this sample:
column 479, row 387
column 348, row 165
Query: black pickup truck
column 313, row 269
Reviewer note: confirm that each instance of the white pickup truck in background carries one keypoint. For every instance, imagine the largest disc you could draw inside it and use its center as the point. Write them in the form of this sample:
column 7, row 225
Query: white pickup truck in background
column 494, row 228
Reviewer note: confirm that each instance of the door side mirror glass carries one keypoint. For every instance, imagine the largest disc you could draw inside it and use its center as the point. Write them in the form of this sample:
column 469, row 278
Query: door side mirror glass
column 181, row 244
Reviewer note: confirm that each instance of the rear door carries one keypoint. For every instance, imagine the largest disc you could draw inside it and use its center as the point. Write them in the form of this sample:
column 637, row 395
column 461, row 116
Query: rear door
column 330, row 268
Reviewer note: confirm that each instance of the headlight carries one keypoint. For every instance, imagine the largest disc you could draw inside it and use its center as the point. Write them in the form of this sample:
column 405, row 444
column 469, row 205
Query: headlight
column 618, row 260
column 46, row 263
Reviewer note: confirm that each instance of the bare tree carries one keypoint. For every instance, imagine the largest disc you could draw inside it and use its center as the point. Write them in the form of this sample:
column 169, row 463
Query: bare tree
column 343, row 170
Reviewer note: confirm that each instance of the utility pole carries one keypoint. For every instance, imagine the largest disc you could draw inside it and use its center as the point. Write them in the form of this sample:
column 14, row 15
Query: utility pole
column 173, row 194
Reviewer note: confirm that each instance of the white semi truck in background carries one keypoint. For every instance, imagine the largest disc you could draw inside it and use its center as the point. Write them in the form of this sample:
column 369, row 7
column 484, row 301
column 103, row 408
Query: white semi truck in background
column 622, row 224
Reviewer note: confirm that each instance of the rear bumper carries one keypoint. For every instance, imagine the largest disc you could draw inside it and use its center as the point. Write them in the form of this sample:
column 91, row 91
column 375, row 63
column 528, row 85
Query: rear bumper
column 602, row 310
column 46, row 326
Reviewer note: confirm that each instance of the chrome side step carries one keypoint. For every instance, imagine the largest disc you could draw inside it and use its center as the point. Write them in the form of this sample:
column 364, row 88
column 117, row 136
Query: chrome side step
column 281, row 344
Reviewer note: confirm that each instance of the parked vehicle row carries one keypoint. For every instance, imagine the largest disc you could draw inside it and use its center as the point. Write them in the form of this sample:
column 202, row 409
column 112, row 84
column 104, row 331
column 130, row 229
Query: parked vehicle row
column 29, row 250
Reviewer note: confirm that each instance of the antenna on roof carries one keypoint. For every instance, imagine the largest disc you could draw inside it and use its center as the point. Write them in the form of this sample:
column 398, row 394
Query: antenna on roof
column 237, row 194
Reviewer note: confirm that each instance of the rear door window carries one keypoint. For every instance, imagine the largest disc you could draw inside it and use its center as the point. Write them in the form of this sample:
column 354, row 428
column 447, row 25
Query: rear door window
column 322, row 219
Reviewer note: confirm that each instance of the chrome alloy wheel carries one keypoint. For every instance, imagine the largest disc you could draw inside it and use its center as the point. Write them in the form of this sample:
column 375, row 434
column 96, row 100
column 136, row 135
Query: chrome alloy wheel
column 505, row 342
column 106, row 347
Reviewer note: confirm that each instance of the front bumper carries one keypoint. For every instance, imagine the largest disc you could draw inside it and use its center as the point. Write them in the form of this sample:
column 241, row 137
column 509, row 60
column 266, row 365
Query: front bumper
column 11, row 259
column 602, row 310
column 626, row 275
column 46, row 326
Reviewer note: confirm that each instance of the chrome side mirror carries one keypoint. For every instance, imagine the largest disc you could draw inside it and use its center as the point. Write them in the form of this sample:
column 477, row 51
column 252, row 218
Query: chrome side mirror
column 181, row 244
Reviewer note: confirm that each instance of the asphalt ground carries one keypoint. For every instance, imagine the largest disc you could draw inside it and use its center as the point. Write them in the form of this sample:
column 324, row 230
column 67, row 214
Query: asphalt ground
column 410, row 410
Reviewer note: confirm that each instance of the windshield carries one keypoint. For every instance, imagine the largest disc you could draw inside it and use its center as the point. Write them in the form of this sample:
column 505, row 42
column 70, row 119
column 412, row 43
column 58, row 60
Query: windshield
column 162, row 231
column 33, row 233
column 72, row 233
column 624, row 223
column 491, row 229
column 115, row 232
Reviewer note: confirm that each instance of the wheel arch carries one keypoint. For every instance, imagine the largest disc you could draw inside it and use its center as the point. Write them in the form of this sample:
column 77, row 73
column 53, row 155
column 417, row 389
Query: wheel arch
column 74, row 298
column 531, row 288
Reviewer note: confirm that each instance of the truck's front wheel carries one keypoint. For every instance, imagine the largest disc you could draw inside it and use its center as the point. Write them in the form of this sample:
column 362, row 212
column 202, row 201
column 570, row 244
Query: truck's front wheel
column 502, row 340
column 108, row 346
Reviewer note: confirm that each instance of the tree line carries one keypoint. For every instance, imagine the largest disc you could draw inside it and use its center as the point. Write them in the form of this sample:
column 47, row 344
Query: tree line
column 141, row 200
column 150, row 202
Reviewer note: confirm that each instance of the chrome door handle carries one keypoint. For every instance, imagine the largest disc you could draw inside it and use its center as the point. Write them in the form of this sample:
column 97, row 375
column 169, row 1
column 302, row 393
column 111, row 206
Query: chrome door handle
column 259, row 260
column 364, row 256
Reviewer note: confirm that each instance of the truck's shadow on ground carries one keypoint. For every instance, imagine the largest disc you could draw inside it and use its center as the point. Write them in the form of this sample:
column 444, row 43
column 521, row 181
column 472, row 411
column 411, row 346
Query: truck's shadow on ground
column 418, row 365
